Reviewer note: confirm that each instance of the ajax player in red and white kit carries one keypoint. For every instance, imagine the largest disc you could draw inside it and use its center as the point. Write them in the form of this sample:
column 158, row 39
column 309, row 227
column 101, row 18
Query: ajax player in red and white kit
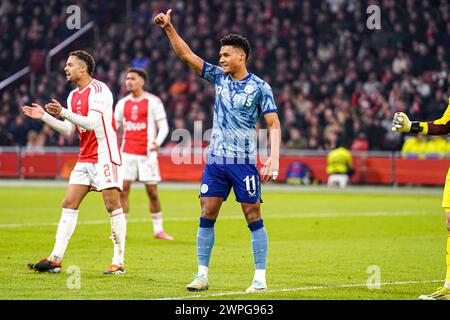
column 143, row 119
column 90, row 111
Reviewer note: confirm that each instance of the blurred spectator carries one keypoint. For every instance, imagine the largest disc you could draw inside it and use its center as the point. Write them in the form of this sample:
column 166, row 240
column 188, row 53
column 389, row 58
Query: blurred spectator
column 360, row 143
column 414, row 147
column 296, row 141
column 436, row 148
column 19, row 131
column 35, row 141
column 339, row 166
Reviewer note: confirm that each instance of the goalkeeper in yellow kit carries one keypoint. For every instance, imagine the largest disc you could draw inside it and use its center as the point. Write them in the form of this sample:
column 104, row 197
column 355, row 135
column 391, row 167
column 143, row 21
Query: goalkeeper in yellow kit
column 401, row 123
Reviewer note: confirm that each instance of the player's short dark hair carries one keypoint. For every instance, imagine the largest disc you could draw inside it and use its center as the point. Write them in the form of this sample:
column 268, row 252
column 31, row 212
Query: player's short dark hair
column 238, row 41
column 87, row 58
column 140, row 72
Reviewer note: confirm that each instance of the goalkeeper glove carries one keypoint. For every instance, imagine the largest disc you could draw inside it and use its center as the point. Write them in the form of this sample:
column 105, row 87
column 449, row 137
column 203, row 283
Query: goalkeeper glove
column 401, row 123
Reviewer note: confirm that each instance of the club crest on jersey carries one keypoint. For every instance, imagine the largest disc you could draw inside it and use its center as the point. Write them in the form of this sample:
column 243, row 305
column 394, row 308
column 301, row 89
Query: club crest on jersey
column 248, row 89
column 134, row 113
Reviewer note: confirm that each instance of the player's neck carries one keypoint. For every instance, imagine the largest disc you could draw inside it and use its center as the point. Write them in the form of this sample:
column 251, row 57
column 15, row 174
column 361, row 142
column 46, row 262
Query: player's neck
column 239, row 75
column 82, row 83
column 137, row 93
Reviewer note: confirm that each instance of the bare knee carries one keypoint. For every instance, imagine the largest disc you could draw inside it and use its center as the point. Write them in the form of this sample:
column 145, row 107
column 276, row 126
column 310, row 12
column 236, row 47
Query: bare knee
column 208, row 213
column 111, row 199
column 70, row 204
column 112, row 204
column 252, row 212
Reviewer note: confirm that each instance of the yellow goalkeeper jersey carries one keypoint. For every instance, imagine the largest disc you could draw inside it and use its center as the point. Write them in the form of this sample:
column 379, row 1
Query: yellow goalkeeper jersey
column 339, row 161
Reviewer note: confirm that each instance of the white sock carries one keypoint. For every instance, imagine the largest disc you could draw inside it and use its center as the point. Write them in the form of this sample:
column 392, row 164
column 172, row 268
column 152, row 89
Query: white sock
column 203, row 271
column 260, row 275
column 118, row 231
column 65, row 229
column 157, row 222
column 447, row 284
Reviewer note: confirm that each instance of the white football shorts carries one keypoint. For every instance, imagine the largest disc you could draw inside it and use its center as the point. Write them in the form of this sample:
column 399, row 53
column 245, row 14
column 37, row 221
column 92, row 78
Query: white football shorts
column 98, row 176
column 141, row 168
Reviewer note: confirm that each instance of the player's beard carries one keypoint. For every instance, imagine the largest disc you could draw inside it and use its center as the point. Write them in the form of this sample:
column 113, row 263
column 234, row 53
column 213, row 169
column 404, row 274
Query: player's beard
column 69, row 80
column 72, row 79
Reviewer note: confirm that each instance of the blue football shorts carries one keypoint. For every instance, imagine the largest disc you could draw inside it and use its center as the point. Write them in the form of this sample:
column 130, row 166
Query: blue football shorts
column 220, row 174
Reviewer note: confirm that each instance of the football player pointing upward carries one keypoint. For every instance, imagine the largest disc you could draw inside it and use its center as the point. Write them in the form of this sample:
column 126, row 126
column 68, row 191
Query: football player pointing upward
column 144, row 122
column 241, row 97
column 90, row 109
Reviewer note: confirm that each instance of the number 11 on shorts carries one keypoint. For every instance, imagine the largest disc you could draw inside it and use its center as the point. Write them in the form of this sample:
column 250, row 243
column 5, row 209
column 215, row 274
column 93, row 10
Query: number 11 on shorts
column 251, row 189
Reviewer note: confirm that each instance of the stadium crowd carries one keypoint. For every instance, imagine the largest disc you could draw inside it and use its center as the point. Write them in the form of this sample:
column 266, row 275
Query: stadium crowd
column 333, row 78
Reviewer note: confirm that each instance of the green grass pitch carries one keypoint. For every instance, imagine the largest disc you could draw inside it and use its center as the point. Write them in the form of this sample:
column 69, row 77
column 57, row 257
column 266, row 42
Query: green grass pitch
column 321, row 245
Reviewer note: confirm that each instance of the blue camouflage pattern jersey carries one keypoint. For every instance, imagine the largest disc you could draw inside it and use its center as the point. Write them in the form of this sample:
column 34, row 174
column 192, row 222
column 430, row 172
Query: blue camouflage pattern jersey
column 237, row 108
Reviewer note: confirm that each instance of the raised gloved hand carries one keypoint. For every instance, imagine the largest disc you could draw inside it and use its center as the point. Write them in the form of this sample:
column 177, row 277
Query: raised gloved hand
column 401, row 123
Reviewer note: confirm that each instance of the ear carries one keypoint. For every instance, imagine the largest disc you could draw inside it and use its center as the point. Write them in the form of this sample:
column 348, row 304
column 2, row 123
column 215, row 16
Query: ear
column 243, row 56
column 83, row 67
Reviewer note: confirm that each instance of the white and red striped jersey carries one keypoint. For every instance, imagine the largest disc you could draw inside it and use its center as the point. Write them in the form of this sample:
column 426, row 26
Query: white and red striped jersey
column 101, row 143
column 140, row 118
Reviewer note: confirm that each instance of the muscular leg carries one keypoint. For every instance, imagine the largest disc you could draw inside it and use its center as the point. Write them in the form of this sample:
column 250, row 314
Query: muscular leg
column 69, row 216
column 251, row 211
column 210, row 207
column 156, row 213
column 74, row 195
column 111, row 197
column 447, row 258
column 154, row 203
column 205, row 235
column 259, row 240
column 124, row 196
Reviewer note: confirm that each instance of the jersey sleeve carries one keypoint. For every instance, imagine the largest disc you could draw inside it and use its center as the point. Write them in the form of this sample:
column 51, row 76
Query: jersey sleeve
column 438, row 127
column 100, row 101
column 267, row 103
column 158, row 110
column 118, row 113
column 159, row 114
column 64, row 127
column 210, row 72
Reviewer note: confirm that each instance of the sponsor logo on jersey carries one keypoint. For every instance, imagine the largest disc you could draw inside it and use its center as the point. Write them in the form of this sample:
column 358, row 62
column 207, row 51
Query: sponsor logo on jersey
column 135, row 126
column 237, row 98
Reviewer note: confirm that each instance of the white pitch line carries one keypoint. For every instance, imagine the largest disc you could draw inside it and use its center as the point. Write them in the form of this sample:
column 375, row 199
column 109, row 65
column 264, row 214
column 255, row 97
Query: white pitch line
column 307, row 288
column 239, row 217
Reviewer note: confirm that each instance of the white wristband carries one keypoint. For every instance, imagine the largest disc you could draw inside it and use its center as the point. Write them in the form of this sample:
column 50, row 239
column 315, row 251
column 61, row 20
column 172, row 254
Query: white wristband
column 275, row 175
